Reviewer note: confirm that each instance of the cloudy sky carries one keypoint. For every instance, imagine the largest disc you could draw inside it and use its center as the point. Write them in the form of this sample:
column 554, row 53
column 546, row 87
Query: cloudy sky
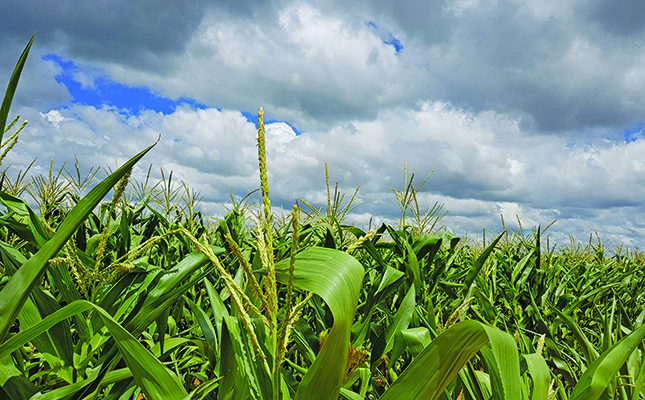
column 530, row 108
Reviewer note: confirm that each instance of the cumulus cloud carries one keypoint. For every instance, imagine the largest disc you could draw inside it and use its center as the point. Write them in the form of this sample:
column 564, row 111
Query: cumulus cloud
column 483, row 165
column 519, row 107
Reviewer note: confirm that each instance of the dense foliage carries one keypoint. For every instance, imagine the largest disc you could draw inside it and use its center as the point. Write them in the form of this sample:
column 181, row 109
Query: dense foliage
column 142, row 296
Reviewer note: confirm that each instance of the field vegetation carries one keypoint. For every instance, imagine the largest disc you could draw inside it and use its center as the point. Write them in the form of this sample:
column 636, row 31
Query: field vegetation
column 123, row 289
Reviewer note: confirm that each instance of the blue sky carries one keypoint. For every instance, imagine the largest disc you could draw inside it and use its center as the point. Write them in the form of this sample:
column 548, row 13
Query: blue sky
column 104, row 91
column 529, row 109
column 127, row 99
column 634, row 134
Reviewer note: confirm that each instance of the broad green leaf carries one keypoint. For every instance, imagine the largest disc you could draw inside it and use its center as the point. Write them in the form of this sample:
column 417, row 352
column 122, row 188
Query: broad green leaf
column 27, row 335
column 494, row 374
column 60, row 333
column 22, row 220
column 519, row 267
column 64, row 391
column 602, row 371
column 11, row 258
column 376, row 294
column 477, row 383
column 157, row 381
column 204, row 390
column 504, row 350
column 432, row 371
column 219, row 309
column 254, row 371
column 145, row 313
column 390, row 276
column 13, row 383
column 540, row 374
column 228, row 370
column 349, row 395
column 412, row 267
column 30, row 316
column 55, row 344
column 159, row 300
column 178, row 274
column 336, row 277
column 588, row 350
column 400, row 321
column 20, row 285
column 204, row 323
column 427, row 244
column 414, row 340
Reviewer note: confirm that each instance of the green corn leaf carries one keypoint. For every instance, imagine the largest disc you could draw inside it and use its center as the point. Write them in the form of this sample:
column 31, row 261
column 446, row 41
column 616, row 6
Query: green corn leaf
column 156, row 381
column 19, row 287
column 29, row 334
column 589, row 352
column 540, row 374
column 168, row 291
column 595, row 380
column 431, row 372
column 412, row 266
column 63, row 392
column 60, row 333
column 204, row 323
column 13, row 383
column 390, row 276
column 22, row 220
column 30, row 316
column 256, row 376
column 427, row 244
column 229, row 388
column 219, row 309
column 505, row 352
column 11, row 258
column 478, row 382
column 162, row 327
column 156, row 304
column 376, row 294
column 477, row 266
column 414, row 340
column 337, row 278
column 494, row 374
column 11, row 88
column 400, row 321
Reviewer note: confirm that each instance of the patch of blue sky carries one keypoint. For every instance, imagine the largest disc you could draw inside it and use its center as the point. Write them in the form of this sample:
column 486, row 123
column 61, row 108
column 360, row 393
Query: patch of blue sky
column 394, row 42
column 631, row 135
column 387, row 38
column 253, row 117
column 103, row 91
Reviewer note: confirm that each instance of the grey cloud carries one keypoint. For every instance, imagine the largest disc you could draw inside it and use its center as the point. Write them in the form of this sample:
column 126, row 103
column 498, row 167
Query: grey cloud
column 544, row 62
column 623, row 17
column 138, row 34
column 507, row 101
column 423, row 20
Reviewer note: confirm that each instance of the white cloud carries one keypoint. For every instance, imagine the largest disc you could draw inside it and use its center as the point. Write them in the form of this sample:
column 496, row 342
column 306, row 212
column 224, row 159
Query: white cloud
column 517, row 106
column 484, row 165
column 304, row 66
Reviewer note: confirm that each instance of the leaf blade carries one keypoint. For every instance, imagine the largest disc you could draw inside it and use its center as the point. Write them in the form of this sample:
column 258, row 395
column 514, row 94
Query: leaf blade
column 16, row 291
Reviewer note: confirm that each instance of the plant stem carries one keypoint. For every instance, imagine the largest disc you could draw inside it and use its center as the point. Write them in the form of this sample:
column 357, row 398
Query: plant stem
column 271, row 284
